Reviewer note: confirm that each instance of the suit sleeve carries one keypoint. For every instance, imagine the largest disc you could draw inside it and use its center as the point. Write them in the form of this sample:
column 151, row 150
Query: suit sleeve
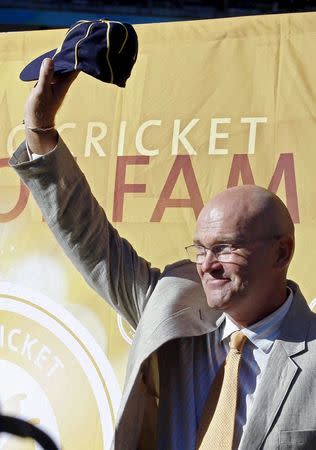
column 107, row 261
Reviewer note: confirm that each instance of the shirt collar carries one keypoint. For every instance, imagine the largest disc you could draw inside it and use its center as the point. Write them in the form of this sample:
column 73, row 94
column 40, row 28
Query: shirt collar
column 263, row 333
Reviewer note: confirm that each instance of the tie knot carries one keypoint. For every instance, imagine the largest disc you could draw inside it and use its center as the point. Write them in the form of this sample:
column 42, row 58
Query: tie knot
column 237, row 340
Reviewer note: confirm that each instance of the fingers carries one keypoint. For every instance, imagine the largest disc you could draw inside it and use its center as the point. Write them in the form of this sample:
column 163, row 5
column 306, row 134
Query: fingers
column 66, row 78
column 47, row 96
column 46, row 74
column 65, row 81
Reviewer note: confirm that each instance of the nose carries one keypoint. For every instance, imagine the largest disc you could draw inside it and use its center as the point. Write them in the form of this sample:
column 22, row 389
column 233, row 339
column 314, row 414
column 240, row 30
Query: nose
column 209, row 261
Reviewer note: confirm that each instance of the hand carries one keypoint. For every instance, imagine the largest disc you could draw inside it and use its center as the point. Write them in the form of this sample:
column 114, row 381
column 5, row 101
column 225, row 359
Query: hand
column 42, row 105
column 47, row 96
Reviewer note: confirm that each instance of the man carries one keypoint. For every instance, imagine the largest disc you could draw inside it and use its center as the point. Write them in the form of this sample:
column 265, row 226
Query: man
column 243, row 245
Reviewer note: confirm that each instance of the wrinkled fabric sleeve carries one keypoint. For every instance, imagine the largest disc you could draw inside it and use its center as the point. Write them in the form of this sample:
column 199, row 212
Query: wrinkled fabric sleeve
column 108, row 262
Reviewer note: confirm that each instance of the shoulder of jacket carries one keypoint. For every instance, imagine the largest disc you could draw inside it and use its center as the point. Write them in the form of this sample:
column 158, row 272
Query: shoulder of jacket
column 183, row 269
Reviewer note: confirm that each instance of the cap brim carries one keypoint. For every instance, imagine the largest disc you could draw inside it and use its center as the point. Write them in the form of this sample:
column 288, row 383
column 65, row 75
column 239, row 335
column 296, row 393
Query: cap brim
column 32, row 70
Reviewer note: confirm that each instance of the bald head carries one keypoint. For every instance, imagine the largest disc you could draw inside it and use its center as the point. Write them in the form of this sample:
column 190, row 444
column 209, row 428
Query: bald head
column 251, row 211
column 250, row 237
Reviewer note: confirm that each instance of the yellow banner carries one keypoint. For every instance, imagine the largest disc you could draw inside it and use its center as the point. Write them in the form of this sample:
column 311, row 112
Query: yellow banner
column 209, row 105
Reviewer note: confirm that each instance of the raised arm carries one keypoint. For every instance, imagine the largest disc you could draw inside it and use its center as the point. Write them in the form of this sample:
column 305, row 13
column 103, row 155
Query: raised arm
column 108, row 263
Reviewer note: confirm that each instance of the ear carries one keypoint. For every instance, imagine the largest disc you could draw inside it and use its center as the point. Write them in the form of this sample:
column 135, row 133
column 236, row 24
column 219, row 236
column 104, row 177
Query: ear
column 284, row 251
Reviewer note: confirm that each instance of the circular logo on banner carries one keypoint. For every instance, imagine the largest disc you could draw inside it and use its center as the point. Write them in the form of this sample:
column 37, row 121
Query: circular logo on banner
column 53, row 374
column 126, row 330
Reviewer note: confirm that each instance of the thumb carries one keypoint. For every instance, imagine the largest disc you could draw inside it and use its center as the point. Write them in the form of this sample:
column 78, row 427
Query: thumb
column 46, row 73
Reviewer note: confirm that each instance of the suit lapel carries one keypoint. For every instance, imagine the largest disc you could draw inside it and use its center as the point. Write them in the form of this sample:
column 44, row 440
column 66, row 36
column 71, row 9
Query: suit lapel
column 280, row 374
column 272, row 390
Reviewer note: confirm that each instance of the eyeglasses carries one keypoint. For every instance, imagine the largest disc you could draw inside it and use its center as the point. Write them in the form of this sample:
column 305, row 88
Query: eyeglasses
column 223, row 252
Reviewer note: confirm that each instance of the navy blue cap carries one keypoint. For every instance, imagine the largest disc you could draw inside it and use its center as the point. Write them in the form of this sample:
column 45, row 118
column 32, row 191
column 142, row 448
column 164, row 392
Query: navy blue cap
column 104, row 49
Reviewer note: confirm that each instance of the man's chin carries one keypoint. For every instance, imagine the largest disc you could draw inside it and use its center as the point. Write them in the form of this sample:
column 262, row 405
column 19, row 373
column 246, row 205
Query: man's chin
column 218, row 304
column 221, row 302
column 219, row 299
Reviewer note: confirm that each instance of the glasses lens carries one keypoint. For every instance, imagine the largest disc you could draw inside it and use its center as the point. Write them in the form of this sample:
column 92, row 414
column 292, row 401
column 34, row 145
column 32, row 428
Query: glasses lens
column 195, row 253
column 222, row 252
column 200, row 253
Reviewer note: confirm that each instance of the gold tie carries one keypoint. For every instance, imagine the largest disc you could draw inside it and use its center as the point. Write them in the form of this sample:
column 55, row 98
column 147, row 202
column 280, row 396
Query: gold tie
column 222, row 402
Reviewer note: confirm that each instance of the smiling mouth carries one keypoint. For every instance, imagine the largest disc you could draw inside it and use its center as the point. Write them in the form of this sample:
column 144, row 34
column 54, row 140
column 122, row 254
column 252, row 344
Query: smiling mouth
column 217, row 280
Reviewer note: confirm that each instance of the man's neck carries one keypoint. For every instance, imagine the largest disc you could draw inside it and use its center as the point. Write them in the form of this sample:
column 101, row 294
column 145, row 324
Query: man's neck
column 245, row 319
